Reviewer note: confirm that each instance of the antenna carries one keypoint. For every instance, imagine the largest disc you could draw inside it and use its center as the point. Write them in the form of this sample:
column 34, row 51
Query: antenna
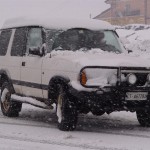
column 90, row 15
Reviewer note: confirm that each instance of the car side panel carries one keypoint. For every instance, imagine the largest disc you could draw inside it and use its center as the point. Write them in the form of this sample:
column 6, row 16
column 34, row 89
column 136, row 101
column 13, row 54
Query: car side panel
column 11, row 65
column 56, row 66
column 31, row 76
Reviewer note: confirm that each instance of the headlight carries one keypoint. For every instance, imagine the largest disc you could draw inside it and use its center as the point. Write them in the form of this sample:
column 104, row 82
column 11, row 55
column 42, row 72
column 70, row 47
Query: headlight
column 148, row 78
column 112, row 80
column 98, row 77
column 131, row 78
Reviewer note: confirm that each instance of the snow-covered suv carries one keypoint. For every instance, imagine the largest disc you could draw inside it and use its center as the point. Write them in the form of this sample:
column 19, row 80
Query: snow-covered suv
column 79, row 65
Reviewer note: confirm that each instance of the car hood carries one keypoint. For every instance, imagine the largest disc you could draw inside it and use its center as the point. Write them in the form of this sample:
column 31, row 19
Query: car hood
column 103, row 59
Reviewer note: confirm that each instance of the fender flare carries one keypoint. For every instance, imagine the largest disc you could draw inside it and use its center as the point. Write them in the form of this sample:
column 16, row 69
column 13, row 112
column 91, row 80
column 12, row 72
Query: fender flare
column 5, row 75
column 52, row 87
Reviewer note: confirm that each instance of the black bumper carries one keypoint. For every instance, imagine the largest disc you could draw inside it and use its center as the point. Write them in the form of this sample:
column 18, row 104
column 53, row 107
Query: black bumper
column 114, row 100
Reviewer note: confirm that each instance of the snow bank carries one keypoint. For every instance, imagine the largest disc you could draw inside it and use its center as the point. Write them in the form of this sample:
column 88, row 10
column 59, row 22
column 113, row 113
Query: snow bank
column 135, row 37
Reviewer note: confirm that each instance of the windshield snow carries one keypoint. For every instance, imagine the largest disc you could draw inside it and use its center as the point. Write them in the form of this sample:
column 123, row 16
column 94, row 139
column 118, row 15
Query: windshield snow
column 84, row 39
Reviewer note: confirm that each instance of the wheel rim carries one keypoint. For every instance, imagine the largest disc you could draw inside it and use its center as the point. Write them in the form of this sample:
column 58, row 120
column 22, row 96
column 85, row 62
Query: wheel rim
column 59, row 107
column 6, row 99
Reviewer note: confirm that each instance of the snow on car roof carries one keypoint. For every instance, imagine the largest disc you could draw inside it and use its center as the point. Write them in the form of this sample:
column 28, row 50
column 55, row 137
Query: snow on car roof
column 58, row 23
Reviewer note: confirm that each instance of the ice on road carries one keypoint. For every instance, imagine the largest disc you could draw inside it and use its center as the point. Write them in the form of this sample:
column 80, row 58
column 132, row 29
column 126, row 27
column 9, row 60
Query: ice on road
column 36, row 129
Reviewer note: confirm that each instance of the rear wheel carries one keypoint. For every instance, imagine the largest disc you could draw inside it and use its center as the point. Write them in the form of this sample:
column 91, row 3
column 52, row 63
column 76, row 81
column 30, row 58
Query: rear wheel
column 66, row 111
column 9, row 108
column 143, row 117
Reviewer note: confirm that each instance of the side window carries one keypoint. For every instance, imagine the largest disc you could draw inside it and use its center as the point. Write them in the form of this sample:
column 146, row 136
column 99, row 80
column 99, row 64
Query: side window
column 34, row 41
column 4, row 41
column 19, row 42
column 51, row 35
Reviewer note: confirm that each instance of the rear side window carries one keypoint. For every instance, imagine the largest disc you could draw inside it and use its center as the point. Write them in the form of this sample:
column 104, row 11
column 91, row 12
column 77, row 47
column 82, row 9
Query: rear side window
column 19, row 42
column 4, row 41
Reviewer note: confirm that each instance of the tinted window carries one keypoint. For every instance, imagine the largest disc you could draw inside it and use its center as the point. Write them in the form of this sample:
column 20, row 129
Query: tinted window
column 4, row 41
column 19, row 43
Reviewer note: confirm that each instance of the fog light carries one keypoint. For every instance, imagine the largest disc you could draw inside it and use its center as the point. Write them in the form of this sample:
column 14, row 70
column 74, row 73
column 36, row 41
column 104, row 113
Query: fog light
column 131, row 78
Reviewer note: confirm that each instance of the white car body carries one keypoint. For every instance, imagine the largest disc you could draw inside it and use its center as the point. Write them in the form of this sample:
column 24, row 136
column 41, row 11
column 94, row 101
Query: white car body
column 77, row 64
column 39, row 70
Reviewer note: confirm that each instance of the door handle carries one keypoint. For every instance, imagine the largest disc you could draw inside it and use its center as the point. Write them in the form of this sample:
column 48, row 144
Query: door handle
column 23, row 63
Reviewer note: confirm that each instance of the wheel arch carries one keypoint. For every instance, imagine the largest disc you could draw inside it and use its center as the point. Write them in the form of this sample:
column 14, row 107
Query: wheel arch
column 52, row 87
column 5, row 76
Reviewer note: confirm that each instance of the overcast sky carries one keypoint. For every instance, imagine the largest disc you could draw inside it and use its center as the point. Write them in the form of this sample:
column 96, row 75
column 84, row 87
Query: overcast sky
column 71, row 8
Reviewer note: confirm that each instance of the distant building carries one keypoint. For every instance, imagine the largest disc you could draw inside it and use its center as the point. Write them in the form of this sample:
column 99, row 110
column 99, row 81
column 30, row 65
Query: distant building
column 122, row 12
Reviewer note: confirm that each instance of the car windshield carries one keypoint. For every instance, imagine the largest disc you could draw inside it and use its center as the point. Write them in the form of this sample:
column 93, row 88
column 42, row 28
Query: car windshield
column 84, row 39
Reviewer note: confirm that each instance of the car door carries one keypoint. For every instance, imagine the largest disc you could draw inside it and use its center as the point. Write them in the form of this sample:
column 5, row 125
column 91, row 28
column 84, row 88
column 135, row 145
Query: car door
column 14, row 56
column 31, row 64
column 12, row 42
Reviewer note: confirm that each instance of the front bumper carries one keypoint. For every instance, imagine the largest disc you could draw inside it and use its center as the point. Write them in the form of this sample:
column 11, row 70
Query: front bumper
column 112, row 100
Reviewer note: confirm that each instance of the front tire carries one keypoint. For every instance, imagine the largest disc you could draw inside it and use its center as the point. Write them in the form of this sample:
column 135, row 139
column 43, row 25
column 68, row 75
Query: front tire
column 66, row 110
column 143, row 117
column 9, row 108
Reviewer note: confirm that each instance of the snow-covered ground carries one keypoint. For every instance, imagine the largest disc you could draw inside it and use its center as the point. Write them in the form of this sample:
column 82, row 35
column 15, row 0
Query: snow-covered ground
column 135, row 37
column 36, row 129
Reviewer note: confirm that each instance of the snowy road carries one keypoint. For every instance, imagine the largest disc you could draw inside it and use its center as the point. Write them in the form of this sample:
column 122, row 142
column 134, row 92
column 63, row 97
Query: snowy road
column 36, row 129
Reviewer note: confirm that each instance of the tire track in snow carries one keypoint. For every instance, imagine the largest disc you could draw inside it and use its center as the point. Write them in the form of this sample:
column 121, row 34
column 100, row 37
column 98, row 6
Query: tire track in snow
column 71, row 145
column 87, row 130
column 117, row 133
column 28, row 125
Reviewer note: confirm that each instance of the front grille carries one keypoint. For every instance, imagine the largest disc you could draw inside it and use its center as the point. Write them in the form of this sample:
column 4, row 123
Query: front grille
column 141, row 79
column 141, row 74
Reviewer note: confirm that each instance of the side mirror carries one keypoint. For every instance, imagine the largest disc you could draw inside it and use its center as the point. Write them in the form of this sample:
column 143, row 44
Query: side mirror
column 43, row 50
column 34, row 51
column 38, row 51
column 129, row 51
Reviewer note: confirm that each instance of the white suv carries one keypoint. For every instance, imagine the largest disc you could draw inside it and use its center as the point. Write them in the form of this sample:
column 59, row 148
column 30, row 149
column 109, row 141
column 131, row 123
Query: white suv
column 78, row 65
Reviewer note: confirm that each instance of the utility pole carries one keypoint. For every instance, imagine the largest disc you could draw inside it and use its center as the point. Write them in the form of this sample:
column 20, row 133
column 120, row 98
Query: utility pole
column 111, row 13
column 145, row 11
column 90, row 15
